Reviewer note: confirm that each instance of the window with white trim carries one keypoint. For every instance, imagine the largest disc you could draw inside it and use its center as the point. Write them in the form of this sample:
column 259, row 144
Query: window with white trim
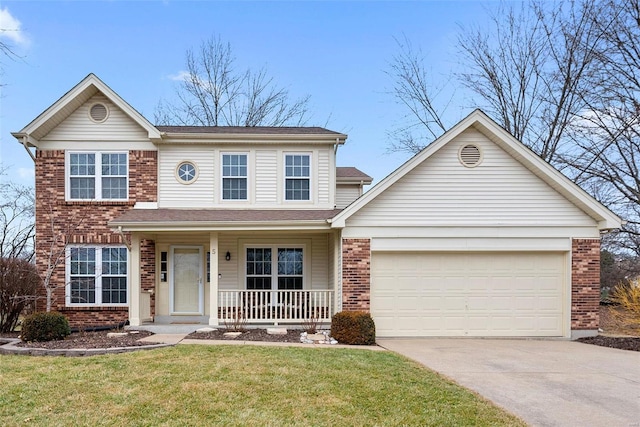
column 234, row 177
column 97, row 176
column 288, row 273
column 97, row 275
column 297, row 171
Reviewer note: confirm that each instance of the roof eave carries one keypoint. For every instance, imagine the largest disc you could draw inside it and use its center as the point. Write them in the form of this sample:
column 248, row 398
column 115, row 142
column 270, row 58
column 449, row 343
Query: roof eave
column 85, row 84
column 604, row 217
column 234, row 138
column 158, row 226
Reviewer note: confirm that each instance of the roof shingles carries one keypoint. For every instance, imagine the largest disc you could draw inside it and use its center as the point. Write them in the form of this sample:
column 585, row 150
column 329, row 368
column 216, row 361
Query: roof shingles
column 195, row 216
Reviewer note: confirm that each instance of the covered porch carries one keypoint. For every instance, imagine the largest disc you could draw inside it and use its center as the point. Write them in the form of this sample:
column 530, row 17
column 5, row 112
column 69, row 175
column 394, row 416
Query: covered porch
column 226, row 274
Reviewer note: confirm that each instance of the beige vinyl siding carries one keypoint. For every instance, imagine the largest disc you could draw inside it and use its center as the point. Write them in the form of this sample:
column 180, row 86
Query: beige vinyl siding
column 320, row 262
column 323, row 177
column 233, row 274
column 174, row 194
column 228, row 270
column 79, row 127
column 498, row 192
column 266, row 177
column 345, row 194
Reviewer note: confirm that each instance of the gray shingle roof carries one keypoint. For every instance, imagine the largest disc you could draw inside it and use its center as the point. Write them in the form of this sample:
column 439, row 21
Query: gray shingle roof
column 249, row 130
column 195, row 216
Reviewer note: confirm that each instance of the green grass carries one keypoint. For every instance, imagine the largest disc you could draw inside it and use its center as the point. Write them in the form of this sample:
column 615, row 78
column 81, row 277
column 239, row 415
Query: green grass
column 235, row 385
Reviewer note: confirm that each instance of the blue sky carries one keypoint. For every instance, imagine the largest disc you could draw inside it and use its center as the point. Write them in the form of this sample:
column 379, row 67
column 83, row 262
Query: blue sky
column 335, row 51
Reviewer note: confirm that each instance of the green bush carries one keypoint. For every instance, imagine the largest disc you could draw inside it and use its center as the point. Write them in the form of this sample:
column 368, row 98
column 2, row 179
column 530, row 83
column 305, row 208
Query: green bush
column 45, row 327
column 353, row 327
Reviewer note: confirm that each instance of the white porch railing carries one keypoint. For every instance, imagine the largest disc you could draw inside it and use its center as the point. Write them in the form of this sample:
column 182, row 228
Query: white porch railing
column 275, row 306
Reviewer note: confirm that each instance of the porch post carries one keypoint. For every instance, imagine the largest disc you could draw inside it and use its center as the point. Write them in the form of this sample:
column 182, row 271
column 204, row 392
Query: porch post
column 134, row 281
column 337, row 271
column 213, row 269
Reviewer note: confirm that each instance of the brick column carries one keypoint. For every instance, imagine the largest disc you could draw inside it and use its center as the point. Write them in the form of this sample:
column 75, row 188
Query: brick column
column 356, row 273
column 585, row 284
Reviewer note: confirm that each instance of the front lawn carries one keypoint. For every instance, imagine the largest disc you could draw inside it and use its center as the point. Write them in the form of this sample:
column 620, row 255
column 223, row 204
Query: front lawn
column 235, row 385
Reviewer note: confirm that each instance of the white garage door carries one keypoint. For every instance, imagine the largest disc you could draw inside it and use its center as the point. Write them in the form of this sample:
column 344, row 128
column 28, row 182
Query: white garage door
column 467, row 294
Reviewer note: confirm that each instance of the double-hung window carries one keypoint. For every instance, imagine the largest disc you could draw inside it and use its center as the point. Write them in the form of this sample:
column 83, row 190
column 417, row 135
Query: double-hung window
column 234, row 177
column 97, row 176
column 286, row 274
column 297, row 176
column 97, row 275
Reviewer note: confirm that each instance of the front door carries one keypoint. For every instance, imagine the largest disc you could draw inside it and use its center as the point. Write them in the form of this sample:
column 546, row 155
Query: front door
column 187, row 291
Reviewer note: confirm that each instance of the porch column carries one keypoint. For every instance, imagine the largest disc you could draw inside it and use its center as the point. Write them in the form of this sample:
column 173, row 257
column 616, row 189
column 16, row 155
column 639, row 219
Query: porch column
column 134, row 281
column 213, row 269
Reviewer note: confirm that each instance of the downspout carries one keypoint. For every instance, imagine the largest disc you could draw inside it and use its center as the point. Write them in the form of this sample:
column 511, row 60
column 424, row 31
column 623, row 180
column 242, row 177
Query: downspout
column 24, row 144
column 124, row 238
column 335, row 146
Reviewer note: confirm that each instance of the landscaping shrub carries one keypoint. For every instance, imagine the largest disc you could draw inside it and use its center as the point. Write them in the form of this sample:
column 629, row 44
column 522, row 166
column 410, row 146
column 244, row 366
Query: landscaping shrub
column 353, row 327
column 45, row 327
column 19, row 282
column 627, row 296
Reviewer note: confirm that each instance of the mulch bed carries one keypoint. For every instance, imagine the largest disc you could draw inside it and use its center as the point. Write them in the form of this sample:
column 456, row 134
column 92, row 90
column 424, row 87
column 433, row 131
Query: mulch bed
column 90, row 340
column 292, row 335
column 94, row 340
column 622, row 343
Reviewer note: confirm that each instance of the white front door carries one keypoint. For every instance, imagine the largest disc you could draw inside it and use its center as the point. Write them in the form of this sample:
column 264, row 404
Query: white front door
column 187, row 291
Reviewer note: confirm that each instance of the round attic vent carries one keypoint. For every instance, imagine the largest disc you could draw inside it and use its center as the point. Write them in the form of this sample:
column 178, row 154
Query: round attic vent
column 470, row 155
column 98, row 113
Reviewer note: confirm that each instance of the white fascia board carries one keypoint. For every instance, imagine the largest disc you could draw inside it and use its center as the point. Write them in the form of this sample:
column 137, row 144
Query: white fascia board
column 339, row 221
column 86, row 84
column 606, row 219
column 221, row 226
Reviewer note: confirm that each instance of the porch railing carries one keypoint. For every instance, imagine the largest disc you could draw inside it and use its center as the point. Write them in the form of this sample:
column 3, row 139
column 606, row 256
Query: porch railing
column 275, row 306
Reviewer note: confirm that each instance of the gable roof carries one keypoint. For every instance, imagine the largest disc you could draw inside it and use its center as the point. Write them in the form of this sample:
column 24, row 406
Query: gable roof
column 606, row 219
column 349, row 174
column 69, row 102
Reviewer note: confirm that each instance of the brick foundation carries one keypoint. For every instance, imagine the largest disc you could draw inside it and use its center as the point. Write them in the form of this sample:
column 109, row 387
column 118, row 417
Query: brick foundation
column 60, row 222
column 585, row 284
column 356, row 273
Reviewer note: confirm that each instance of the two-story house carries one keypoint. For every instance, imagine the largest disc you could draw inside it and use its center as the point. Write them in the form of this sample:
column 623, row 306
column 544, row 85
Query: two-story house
column 474, row 236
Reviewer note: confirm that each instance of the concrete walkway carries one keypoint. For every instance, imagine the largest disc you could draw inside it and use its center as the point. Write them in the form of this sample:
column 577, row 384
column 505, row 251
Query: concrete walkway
column 545, row 382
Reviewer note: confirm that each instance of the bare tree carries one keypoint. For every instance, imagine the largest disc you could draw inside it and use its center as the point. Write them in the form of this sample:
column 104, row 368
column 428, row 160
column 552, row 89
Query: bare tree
column 214, row 93
column 55, row 234
column 607, row 137
column 564, row 78
column 414, row 90
column 17, row 227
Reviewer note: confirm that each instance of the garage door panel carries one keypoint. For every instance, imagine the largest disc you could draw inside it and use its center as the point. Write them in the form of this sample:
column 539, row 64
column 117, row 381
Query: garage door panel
column 468, row 294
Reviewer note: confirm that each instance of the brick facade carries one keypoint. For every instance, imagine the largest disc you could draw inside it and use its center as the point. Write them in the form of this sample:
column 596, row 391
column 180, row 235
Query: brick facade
column 59, row 222
column 585, row 284
column 356, row 274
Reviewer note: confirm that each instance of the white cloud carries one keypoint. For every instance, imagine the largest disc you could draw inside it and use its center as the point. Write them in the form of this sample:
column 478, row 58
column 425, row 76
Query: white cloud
column 180, row 77
column 10, row 28
column 26, row 173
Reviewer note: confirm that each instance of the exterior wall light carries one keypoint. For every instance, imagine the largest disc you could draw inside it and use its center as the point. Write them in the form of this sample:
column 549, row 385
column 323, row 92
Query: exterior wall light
column 228, row 256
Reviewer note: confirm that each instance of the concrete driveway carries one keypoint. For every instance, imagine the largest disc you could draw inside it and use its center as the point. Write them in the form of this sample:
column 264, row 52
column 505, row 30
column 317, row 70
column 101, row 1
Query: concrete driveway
column 544, row 382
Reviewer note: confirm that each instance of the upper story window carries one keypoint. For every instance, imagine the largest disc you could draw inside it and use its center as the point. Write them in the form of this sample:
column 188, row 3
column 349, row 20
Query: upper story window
column 297, row 176
column 187, row 172
column 234, row 177
column 98, row 176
